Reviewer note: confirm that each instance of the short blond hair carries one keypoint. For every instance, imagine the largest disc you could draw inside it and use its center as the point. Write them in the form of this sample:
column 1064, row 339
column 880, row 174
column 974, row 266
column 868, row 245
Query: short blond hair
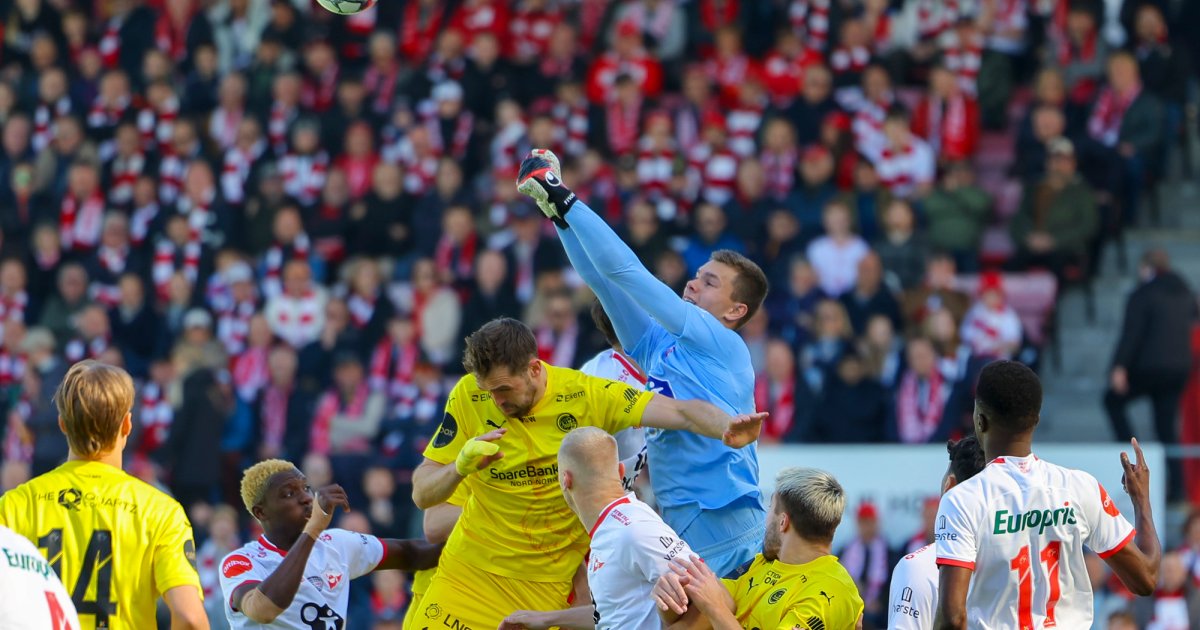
column 813, row 500
column 254, row 480
column 92, row 401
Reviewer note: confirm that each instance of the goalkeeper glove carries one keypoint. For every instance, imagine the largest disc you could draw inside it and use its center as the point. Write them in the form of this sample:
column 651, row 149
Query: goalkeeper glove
column 471, row 457
column 540, row 177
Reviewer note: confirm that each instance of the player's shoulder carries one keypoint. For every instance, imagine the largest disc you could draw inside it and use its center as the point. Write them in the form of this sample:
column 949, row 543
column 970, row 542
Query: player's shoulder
column 599, row 365
column 245, row 560
column 13, row 541
column 918, row 562
column 343, row 538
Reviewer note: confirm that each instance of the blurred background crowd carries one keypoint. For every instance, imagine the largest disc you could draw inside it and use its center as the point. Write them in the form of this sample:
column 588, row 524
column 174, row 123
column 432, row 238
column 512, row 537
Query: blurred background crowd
column 283, row 222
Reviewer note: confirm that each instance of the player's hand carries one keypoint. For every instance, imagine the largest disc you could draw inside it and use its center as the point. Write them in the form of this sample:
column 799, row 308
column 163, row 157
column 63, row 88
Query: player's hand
column 704, row 588
column 744, row 429
column 525, row 620
column 325, row 502
column 1136, row 479
column 540, row 178
column 668, row 592
column 479, row 453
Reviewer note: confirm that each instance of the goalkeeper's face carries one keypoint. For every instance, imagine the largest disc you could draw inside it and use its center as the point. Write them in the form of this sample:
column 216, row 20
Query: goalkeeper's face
column 712, row 290
column 515, row 393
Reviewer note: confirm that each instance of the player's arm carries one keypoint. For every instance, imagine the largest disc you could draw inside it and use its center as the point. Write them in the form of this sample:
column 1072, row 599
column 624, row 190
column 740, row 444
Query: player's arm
column 262, row 602
column 1137, row 564
column 953, row 583
column 439, row 521
column 187, row 611
column 435, row 482
column 574, row 618
column 409, row 555
column 702, row 418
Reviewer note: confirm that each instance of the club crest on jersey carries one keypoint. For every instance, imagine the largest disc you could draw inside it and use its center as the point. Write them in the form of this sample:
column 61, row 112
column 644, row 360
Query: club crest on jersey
column 567, row 422
column 776, row 596
column 659, row 386
column 235, row 566
column 333, row 579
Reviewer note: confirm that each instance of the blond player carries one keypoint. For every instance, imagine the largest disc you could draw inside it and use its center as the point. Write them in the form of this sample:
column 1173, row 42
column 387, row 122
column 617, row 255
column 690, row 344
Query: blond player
column 1010, row 540
column 117, row 543
column 518, row 545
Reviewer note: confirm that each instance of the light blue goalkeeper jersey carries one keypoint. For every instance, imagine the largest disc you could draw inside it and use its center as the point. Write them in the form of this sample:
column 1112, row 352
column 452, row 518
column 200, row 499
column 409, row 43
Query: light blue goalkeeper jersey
column 687, row 354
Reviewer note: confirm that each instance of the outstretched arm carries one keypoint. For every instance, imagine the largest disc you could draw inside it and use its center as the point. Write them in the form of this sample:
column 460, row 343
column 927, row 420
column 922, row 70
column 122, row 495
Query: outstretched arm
column 702, row 418
column 409, row 555
column 628, row 318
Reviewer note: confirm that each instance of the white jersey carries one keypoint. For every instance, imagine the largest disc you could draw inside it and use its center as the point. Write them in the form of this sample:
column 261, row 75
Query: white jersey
column 631, row 548
column 631, row 442
column 34, row 598
column 913, row 598
column 337, row 557
column 1021, row 525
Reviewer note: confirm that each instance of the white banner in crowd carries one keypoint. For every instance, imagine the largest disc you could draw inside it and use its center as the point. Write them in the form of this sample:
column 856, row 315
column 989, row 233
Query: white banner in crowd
column 898, row 479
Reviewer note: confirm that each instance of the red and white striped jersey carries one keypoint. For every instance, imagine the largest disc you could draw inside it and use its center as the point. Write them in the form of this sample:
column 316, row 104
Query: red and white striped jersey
column 902, row 171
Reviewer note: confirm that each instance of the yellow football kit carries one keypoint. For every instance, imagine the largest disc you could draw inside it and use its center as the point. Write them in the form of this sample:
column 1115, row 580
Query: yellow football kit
column 517, row 545
column 116, row 542
column 817, row 595
column 422, row 578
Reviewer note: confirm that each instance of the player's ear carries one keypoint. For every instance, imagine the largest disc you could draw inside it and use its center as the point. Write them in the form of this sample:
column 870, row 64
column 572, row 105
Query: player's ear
column 621, row 469
column 535, row 367
column 567, row 479
column 737, row 312
column 127, row 424
column 949, row 482
column 62, row 426
column 257, row 513
column 785, row 523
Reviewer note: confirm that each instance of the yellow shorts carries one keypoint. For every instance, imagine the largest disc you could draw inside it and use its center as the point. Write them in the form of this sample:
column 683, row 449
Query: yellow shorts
column 465, row 598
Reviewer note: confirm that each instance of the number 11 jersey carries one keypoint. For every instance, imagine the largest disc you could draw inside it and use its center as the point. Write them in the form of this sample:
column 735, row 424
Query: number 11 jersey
column 116, row 542
column 1021, row 526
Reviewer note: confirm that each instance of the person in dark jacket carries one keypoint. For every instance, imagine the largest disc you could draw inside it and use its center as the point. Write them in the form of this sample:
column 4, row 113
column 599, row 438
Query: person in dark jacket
column 1153, row 356
column 49, row 443
column 853, row 406
column 870, row 296
column 492, row 296
column 195, row 438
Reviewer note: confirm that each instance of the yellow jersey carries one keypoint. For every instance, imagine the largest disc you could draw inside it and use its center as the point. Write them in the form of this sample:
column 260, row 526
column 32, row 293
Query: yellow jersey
column 817, row 595
column 422, row 578
column 515, row 523
column 116, row 543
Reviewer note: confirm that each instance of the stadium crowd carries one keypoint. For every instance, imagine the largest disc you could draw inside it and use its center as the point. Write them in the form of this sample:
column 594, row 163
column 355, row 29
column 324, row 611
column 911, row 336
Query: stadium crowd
column 283, row 223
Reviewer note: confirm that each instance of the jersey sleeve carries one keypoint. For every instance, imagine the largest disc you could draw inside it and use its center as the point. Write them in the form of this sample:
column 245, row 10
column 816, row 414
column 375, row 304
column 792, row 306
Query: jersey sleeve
column 647, row 551
column 1108, row 531
column 911, row 600
column 615, row 406
column 456, row 428
column 12, row 506
column 175, row 550
column 808, row 614
column 361, row 552
column 239, row 568
column 955, row 532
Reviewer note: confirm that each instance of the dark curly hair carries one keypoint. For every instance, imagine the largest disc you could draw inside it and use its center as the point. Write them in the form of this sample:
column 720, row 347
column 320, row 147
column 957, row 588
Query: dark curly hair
column 966, row 458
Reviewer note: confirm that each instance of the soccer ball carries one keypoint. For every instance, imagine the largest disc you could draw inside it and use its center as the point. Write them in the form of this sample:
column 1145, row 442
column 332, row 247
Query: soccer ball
column 346, row 7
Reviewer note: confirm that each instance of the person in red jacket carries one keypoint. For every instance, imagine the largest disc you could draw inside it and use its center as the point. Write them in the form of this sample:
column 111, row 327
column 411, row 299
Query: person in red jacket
column 948, row 117
column 628, row 56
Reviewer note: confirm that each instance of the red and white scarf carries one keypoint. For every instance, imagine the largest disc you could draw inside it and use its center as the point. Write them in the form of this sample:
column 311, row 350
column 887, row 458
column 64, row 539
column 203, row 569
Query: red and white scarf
column 530, row 32
column 156, row 416
column 419, row 28
column 277, row 257
column 157, row 125
column 278, row 121
column 623, row 125
column 362, row 309
column 12, row 307
column 743, row 123
column 557, row 348
column 849, row 60
column 12, row 367
column 319, row 91
column 77, row 350
column 779, row 398
column 304, row 176
column 457, row 258
column 140, row 222
column 79, row 222
column 43, row 121
column 125, row 173
column 235, row 171
column 655, row 168
column 381, row 87
column 780, row 170
column 170, row 259
column 331, row 405
column 110, row 42
column 223, row 126
column 233, row 326
column 274, row 415
column 170, row 177
column 457, row 144
column 1105, row 122
column 571, row 126
column 656, row 24
column 810, row 21
column 964, row 59
column 919, row 406
column 392, row 367
column 250, row 373
column 934, row 17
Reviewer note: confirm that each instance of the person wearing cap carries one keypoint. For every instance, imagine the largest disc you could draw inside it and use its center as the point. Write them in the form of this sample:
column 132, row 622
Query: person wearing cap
column 1153, row 356
column 867, row 559
column 1058, row 217
column 992, row 328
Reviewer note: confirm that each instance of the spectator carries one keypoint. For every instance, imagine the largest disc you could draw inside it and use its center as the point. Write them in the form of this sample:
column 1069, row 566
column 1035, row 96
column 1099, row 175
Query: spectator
column 81, row 213
column 1170, row 598
column 901, row 248
column 711, row 234
column 297, row 314
column 835, row 256
column 937, row 292
column 560, row 338
column 454, row 252
column 1163, row 62
column 1058, row 218
column 492, row 296
column 948, row 119
column 196, row 348
column 870, row 296
column 370, row 307
column 49, row 444
column 792, row 312
column 1150, row 358
column 775, row 391
column 65, row 305
column 956, row 214
column 918, row 415
column 283, row 411
column 1045, row 123
column 347, row 419
column 992, row 328
column 1080, row 53
column 135, row 325
column 906, row 164
column 222, row 540
column 882, row 351
column 643, row 232
column 831, row 338
column 867, row 560
column 747, row 211
column 195, row 437
column 383, row 223
column 815, row 103
column 530, row 254
column 1126, row 129
column 784, row 242
column 816, row 185
column 853, row 407
column 112, row 258
column 435, row 310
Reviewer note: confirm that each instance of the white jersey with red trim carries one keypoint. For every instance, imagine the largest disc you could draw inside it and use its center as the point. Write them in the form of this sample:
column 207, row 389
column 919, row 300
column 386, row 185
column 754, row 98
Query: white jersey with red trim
column 631, row 548
column 631, row 442
column 34, row 598
column 337, row 557
column 913, row 597
column 1021, row 525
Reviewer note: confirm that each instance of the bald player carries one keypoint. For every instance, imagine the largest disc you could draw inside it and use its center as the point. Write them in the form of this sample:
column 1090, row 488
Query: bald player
column 631, row 545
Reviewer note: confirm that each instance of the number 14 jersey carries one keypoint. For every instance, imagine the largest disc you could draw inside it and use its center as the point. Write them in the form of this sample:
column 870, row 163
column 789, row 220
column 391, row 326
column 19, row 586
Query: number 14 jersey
column 1021, row 526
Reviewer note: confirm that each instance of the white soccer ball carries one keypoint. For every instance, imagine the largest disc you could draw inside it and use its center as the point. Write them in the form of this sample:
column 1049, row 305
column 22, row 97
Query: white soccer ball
column 346, row 7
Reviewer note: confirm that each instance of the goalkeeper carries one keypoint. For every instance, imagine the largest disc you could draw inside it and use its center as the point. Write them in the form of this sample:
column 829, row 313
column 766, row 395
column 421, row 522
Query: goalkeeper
column 517, row 544
column 707, row 491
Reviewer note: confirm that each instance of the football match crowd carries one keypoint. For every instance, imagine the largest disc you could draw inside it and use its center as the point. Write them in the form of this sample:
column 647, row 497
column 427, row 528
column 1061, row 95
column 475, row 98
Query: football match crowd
column 284, row 223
